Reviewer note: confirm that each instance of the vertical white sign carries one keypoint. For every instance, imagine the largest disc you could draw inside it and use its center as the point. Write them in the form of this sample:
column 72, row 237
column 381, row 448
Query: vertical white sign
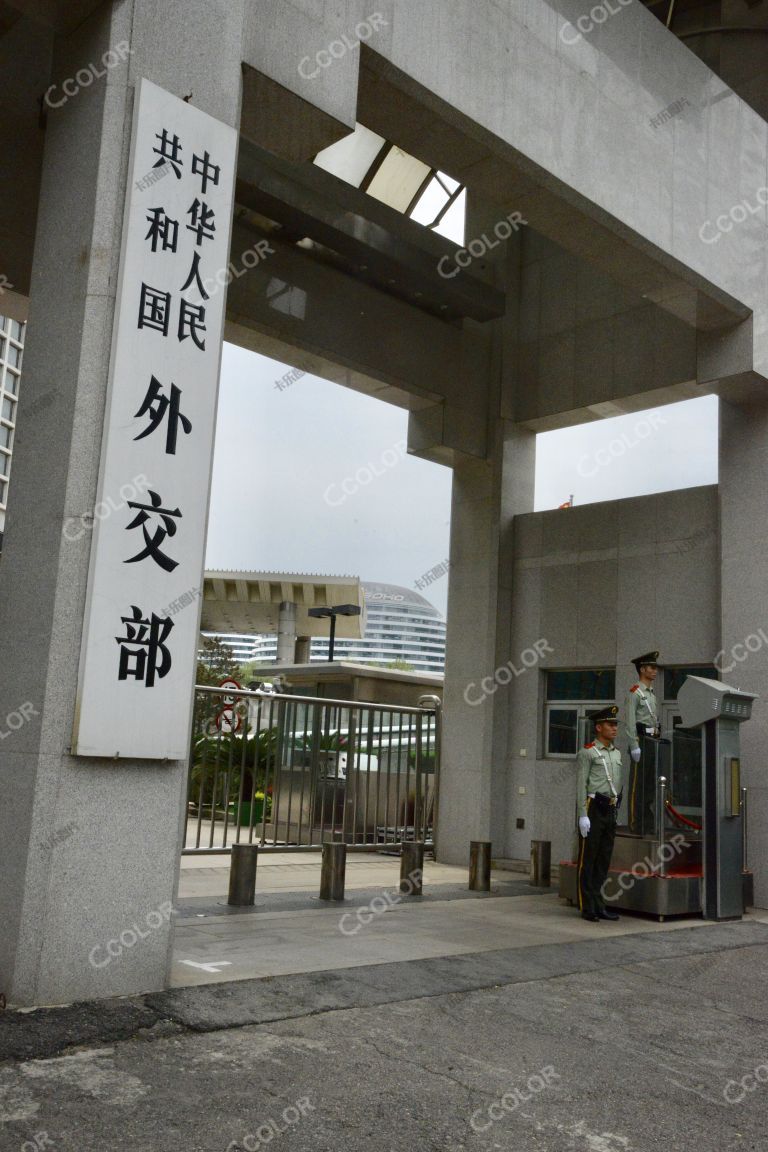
column 137, row 661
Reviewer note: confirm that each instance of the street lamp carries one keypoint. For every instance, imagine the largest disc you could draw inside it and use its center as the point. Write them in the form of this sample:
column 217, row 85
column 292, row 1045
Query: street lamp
column 338, row 610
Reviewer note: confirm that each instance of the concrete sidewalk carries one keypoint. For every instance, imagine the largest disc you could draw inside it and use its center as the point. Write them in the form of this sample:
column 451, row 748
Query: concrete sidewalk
column 626, row 1044
column 290, row 930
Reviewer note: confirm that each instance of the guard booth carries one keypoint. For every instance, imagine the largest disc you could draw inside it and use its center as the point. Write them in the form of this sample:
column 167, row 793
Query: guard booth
column 681, row 845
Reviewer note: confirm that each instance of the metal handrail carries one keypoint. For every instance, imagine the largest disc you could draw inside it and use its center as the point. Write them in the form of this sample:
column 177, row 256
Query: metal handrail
column 662, row 820
column 256, row 694
column 292, row 791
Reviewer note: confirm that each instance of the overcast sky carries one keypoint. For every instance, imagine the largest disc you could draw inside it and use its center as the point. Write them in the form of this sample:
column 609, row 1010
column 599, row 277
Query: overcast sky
column 288, row 465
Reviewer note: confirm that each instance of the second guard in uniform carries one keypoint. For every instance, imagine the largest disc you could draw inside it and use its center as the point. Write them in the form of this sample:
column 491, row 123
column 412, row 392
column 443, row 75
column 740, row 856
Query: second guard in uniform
column 641, row 712
column 598, row 788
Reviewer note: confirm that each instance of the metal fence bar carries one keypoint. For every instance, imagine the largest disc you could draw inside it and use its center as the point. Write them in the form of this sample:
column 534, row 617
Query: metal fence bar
column 288, row 752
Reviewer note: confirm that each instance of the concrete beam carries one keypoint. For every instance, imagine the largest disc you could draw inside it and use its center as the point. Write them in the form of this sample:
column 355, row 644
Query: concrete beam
column 383, row 245
column 581, row 222
column 309, row 314
column 284, row 111
column 60, row 15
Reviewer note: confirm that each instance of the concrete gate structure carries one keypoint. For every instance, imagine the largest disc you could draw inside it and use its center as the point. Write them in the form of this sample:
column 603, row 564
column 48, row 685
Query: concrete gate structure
column 640, row 278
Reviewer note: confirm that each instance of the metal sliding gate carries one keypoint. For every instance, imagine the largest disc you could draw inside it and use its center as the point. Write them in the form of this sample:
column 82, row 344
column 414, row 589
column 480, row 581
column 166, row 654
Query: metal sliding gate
column 288, row 772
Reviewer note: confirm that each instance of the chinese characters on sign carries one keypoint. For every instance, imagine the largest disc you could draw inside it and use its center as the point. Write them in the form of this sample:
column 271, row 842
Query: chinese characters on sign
column 137, row 663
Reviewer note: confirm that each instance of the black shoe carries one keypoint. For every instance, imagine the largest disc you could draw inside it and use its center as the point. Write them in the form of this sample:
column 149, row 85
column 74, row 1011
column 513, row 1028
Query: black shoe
column 608, row 914
column 590, row 916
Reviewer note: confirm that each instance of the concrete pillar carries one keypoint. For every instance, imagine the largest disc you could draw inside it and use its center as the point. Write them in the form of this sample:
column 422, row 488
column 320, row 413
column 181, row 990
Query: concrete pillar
column 302, row 650
column 487, row 495
column 743, row 659
column 286, row 633
column 473, row 784
column 89, row 849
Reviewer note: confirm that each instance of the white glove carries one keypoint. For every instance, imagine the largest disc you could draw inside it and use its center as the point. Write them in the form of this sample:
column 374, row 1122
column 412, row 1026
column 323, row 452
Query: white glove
column 584, row 825
column 635, row 754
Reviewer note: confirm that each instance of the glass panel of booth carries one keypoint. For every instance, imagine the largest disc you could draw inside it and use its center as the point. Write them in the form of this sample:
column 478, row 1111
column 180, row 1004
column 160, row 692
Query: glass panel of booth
column 686, row 759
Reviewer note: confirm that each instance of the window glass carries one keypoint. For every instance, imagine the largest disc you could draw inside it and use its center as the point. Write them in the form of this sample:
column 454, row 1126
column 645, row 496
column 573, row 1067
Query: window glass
column 16, row 330
column 4, row 462
column 583, row 684
column 8, row 408
column 11, row 382
column 2, row 349
column 13, row 356
column 562, row 726
column 2, row 492
column 5, row 436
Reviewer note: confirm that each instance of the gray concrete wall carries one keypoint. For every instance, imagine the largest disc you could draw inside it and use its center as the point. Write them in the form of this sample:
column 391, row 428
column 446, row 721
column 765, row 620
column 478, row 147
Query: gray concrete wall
column 601, row 584
column 585, row 341
column 580, row 158
column 743, row 497
column 90, row 849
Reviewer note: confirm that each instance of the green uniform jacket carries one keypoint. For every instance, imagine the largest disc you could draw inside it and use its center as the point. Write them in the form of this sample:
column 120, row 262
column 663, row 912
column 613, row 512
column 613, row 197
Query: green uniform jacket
column 595, row 763
column 640, row 707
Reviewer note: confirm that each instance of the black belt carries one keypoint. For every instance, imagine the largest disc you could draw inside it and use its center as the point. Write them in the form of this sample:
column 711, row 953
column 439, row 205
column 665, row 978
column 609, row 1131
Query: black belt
column 604, row 803
column 647, row 732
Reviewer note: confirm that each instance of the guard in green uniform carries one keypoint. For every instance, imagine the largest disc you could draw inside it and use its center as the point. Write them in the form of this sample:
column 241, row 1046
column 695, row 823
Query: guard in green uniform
column 641, row 711
column 598, row 789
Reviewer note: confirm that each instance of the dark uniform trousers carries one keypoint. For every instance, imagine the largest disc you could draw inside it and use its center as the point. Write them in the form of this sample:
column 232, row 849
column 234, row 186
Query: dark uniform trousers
column 595, row 853
column 643, row 780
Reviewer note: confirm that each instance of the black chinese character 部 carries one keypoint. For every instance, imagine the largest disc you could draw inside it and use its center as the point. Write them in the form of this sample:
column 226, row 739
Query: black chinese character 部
column 154, row 542
column 162, row 230
column 154, row 309
column 169, row 152
column 157, row 405
column 201, row 166
column 143, row 652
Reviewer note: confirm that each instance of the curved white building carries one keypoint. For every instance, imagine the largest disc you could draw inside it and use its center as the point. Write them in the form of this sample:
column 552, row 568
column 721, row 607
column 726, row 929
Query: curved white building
column 401, row 625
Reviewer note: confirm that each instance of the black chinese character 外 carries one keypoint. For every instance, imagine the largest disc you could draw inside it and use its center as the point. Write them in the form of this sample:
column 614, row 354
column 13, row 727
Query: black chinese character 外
column 143, row 652
column 158, row 406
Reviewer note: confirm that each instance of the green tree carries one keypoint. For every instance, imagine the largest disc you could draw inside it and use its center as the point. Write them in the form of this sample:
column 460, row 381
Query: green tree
column 214, row 664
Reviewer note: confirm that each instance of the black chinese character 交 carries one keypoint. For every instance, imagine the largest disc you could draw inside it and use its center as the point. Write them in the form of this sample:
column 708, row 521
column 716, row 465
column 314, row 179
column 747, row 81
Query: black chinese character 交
column 158, row 406
column 154, row 309
column 154, row 542
column 201, row 166
column 169, row 152
column 162, row 229
column 202, row 221
column 192, row 318
column 143, row 653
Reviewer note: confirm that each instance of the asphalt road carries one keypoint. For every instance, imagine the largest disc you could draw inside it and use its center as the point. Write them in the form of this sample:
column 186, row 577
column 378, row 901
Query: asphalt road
column 649, row 1042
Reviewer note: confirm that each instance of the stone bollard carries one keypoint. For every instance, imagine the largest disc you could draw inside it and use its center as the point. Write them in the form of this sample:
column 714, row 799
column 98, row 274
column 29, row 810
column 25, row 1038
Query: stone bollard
column 242, row 875
column 412, row 867
column 480, row 865
column 332, row 872
column 541, row 863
